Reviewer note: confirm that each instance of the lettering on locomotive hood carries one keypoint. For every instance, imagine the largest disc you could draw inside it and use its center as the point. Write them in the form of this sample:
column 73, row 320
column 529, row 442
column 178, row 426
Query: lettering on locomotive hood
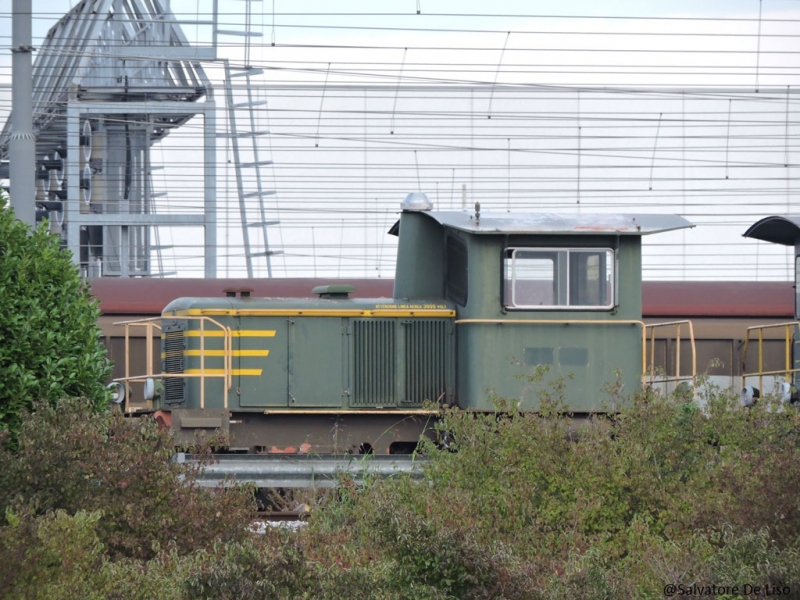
column 431, row 306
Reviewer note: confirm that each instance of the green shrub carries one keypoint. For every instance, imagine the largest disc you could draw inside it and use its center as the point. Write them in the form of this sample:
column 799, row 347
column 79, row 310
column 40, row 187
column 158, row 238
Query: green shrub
column 51, row 346
column 55, row 557
column 525, row 506
column 663, row 492
column 71, row 459
column 59, row 556
column 252, row 570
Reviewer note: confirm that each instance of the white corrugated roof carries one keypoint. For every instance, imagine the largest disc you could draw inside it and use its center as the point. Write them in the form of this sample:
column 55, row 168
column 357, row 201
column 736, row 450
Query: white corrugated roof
column 566, row 224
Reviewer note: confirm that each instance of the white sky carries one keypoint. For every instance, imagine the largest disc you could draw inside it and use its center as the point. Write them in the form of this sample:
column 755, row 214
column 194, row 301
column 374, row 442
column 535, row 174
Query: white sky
column 575, row 122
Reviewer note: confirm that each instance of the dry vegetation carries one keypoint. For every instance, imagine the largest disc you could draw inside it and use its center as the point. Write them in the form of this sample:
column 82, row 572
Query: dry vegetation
column 663, row 493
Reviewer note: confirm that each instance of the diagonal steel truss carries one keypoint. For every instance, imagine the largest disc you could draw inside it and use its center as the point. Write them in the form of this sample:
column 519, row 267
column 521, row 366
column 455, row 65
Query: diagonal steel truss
column 112, row 78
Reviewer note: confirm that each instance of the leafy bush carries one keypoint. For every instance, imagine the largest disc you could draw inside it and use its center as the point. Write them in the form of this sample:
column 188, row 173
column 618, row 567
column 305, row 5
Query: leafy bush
column 531, row 505
column 69, row 459
column 525, row 506
column 56, row 557
column 51, row 343
column 251, row 570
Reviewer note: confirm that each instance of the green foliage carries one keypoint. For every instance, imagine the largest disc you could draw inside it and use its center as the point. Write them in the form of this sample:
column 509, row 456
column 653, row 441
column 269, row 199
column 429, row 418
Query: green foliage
column 55, row 557
column 58, row 556
column 69, row 459
column 51, row 346
column 523, row 506
column 663, row 492
column 250, row 571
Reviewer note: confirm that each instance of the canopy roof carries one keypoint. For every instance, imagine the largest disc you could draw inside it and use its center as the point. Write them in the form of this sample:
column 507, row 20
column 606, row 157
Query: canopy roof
column 777, row 229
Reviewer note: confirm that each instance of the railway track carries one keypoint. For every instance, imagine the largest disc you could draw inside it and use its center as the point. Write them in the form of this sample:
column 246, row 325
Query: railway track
column 282, row 516
column 283, row 519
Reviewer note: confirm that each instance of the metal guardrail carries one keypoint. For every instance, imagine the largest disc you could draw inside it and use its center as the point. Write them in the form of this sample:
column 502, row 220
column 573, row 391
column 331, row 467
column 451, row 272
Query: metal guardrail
column 153, row 323
column 302, row 471
column 677, row 377
column 789, row 329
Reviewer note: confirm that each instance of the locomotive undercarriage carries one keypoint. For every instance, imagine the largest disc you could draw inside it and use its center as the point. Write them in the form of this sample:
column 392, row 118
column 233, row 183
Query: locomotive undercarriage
column 304, row 432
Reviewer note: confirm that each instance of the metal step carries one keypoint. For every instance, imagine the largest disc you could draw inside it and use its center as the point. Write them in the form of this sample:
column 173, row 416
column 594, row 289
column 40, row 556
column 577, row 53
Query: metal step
column 246, row 134
column 262, row 193
column 137, row 273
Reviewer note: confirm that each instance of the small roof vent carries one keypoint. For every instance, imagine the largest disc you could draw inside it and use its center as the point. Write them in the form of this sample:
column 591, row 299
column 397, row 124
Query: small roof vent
column 416, row 201
column 333, row 291
column 241, row 292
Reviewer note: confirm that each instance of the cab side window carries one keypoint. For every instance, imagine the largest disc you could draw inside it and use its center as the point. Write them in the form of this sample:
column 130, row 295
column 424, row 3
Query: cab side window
column 547, row 278
column 456, row 270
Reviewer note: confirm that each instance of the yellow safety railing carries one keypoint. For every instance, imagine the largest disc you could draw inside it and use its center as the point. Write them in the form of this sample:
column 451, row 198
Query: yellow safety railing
column 788, row 337
column 152, row 324
column 677, row 377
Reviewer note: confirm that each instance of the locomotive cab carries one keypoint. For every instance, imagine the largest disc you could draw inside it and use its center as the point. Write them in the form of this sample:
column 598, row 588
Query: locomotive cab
column 537, row 296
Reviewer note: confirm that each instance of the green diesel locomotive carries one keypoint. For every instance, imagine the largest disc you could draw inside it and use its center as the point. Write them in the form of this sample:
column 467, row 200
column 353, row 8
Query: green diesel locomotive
column 481, row 300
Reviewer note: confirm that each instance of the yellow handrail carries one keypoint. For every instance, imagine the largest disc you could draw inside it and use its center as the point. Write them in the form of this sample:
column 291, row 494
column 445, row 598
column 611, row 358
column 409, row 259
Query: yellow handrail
column 677, row 377
column 153, row 323
column 789, row 329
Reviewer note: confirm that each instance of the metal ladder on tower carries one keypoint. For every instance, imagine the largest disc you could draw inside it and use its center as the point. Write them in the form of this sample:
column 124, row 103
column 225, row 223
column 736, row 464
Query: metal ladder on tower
column 248, row 164
column 157, row 248
column 246, row 156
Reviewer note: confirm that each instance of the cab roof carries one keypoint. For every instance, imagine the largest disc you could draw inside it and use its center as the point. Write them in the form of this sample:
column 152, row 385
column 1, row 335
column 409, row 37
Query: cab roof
column 560, row 224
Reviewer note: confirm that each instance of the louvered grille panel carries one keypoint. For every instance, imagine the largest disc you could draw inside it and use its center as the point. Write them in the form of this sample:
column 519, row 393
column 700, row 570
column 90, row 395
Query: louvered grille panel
column 374, row 362
column 174, row 346
column 428, row 351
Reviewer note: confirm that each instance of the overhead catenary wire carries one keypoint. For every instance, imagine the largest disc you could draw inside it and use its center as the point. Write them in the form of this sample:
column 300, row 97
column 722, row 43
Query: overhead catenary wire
column 496, row 73
column 707, row 157
column 397, row 90
column 321, row 103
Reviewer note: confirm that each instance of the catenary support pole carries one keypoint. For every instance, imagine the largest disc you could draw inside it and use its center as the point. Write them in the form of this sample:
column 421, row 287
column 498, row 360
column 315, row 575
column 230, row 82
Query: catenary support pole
column 22, row 147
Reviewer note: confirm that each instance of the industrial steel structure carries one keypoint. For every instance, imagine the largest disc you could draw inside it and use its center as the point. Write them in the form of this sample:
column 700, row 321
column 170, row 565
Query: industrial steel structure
column 113, row 78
